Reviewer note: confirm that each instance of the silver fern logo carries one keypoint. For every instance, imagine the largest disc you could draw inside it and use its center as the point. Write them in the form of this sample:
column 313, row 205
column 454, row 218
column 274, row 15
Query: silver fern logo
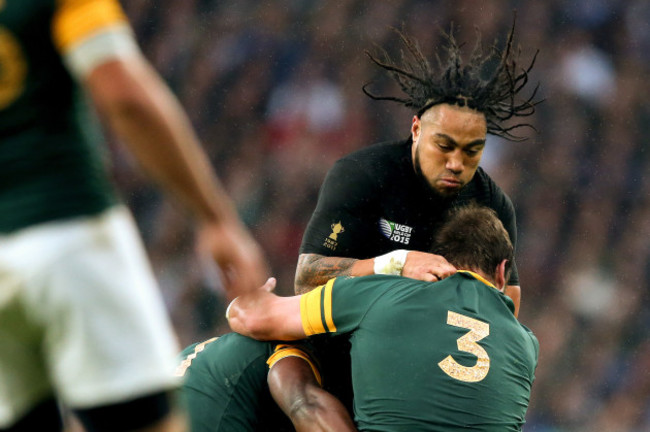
column 398, row 233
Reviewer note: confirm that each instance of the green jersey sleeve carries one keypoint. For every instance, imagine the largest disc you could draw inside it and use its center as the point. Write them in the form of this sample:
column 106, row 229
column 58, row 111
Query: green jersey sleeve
column 340, row 305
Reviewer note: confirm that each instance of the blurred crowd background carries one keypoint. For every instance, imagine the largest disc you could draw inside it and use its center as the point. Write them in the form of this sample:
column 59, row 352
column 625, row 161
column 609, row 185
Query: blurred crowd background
column 274, row 91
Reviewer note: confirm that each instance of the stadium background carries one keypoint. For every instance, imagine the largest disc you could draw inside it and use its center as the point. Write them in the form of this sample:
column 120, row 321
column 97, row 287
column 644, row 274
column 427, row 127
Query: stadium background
column 274, row 90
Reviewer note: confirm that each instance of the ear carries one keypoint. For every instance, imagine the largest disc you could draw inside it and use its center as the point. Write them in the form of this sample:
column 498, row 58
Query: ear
column 415, row 128
column 500, row 275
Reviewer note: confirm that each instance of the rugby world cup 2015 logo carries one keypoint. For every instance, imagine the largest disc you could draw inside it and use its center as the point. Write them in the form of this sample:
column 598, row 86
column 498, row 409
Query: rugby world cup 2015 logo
column 398, row 233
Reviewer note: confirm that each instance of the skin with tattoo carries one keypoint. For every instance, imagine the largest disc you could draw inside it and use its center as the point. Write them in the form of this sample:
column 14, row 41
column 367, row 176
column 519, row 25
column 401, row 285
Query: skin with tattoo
column 448, row 143
column 317, row 269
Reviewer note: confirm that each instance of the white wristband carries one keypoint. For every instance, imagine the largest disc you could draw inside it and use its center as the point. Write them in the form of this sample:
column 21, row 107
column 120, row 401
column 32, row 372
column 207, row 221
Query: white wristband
column 391, row 263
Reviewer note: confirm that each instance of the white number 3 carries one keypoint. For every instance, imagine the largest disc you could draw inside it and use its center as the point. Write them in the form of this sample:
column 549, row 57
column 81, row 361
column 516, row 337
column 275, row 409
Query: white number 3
column 467, row 343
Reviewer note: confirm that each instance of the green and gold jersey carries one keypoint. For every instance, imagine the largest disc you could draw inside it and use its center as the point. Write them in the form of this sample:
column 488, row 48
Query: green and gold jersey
column 51, row 159
column 442, row 356
column 225, row 387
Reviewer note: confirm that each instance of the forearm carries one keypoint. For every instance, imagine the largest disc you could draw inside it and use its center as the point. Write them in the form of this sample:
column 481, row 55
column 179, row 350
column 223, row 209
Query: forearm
column 320, row 412
column 314, row 270
column 262, row 315
column 146, row 115
column 310, row 408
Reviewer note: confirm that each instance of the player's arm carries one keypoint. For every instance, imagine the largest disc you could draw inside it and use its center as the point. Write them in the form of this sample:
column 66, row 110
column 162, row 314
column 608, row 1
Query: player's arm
column 297, row 392
column 103, row 55
column 314, row 270
column 262, row 315
column 344, row 203
column 337, row 307
column 514, row 292
column 507, row 215
column 142, row 111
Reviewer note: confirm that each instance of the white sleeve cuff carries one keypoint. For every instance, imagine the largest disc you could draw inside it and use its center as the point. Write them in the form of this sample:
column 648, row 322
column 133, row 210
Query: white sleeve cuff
column 115, row 42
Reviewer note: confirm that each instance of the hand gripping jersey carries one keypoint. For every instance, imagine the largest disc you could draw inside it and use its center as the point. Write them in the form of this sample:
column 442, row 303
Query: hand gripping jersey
column 442, row 356
column 50, row 155
column 373, row 202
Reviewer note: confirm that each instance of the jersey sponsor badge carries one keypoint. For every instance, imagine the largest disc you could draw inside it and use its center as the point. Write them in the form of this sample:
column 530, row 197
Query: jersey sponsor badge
column 399, row 233
column 331, row 240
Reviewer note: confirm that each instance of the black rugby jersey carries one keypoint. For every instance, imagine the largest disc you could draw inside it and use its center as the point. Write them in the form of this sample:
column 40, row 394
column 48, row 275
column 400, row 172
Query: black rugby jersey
column 372, row 202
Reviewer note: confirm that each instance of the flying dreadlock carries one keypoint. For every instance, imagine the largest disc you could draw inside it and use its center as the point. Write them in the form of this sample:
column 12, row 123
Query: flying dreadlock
column 461, row 84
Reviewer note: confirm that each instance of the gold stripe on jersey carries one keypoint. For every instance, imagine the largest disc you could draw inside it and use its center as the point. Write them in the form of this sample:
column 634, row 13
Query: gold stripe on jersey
column 284, row 351
column 479, row 277
column 77, row 19
column 327, row 306
column 310, row 312
column 187, row 362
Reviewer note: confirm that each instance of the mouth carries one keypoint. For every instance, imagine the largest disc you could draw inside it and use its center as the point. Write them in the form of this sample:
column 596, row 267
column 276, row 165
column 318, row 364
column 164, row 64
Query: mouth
column 450, row 182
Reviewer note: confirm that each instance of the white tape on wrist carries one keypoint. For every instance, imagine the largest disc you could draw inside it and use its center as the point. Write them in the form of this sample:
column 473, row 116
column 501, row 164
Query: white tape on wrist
column 391, row 263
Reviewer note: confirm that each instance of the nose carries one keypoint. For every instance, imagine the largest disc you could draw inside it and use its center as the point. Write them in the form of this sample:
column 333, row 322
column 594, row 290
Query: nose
column 455, row 162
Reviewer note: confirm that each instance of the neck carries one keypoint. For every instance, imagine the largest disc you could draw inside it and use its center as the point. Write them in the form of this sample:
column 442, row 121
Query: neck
column 483, row 277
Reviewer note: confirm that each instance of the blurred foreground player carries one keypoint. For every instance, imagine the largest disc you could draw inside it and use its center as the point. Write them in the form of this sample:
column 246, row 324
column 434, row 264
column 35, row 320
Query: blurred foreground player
column 426, row 356
column 81, row 319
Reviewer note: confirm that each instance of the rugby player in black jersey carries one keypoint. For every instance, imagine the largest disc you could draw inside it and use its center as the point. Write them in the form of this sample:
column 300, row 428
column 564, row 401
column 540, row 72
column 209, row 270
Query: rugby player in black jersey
column 380, row 207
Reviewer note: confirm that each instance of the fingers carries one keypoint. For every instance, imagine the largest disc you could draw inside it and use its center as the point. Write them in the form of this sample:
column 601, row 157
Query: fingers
column 427, row 267
column 269, row 285
column 429, row 277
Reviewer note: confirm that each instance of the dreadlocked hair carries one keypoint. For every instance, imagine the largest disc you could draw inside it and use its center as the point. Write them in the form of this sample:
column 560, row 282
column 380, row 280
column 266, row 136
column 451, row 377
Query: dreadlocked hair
column 461, row 84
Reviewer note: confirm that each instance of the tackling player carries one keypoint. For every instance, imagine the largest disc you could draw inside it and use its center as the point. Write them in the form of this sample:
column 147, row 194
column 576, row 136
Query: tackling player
column 442, row 356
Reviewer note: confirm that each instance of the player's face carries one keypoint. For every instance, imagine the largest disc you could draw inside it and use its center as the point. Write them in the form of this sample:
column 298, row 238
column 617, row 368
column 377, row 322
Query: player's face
column 448, row 142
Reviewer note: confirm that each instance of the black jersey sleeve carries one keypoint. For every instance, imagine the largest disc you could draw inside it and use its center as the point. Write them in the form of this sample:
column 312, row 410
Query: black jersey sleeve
column 341, row 222
column 506, row 212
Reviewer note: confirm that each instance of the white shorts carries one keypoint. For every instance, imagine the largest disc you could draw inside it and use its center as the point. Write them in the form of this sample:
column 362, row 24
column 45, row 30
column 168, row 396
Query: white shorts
column 81, row 316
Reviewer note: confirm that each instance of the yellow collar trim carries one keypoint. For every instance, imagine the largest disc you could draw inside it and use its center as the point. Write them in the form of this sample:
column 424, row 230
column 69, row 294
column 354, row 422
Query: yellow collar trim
column 479, row 277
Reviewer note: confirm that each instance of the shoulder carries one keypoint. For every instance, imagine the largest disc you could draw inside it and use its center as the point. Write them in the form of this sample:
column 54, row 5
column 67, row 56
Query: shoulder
column 483, row 180
column 383, row 153
column 486, row 191
column 369, row 167
column 534, row 342
column 377, row 164
column 374, row 286
column 229, row 345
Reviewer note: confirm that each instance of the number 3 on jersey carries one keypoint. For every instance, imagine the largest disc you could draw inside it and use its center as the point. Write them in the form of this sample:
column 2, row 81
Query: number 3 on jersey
column 467, row 343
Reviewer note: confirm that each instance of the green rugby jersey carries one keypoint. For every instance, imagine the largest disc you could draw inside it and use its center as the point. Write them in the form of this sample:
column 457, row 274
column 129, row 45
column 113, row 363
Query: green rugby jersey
column 51, row 158
column 442, row 356
column 225, row 386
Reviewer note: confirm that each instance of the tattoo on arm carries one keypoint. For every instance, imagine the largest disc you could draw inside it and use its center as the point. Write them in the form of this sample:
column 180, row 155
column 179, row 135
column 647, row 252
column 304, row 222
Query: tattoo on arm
column 314, row 270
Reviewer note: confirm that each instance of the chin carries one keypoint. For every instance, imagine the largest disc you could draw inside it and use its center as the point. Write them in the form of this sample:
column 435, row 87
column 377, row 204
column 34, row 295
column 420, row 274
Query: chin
column 447, row 194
